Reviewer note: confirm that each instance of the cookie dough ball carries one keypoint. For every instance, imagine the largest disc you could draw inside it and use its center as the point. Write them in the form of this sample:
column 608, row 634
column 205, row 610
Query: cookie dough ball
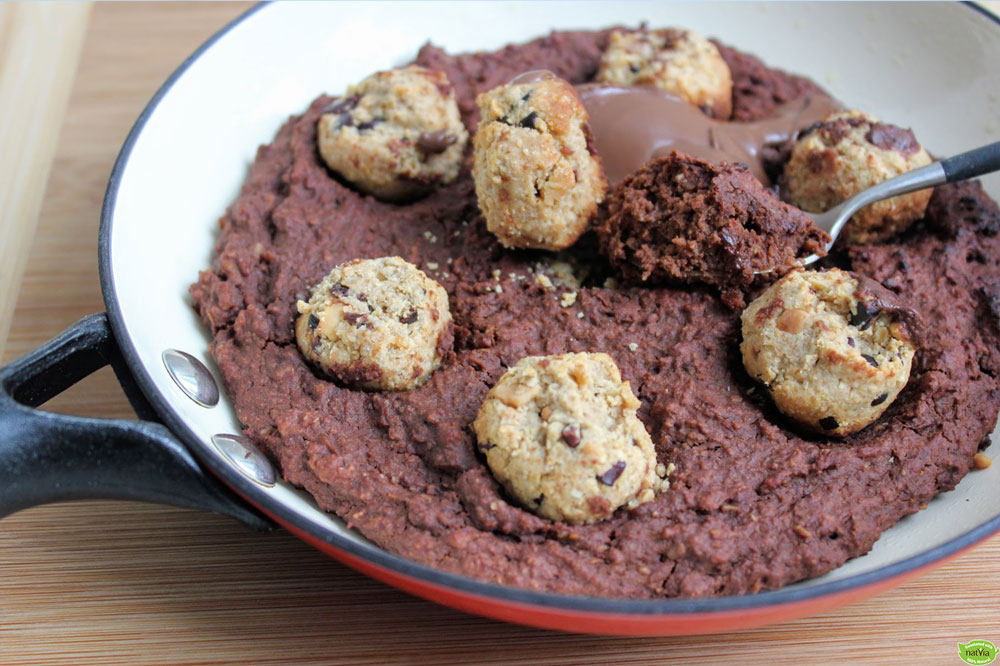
column 538, row 178
column 833, row 349
column 562, row 436
column 680, row 62
column 376, row 324
column 396, row 135
column 850, row 151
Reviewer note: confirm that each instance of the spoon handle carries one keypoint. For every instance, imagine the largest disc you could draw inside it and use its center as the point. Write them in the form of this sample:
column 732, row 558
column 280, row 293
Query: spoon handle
column 973, row 163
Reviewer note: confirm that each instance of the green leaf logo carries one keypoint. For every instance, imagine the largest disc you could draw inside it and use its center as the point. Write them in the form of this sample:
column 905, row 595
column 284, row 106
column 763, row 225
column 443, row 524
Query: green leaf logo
column 977, row 653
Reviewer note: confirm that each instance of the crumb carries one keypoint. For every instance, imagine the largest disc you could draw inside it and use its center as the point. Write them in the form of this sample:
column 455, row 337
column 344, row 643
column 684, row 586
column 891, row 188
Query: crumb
column 568, row 299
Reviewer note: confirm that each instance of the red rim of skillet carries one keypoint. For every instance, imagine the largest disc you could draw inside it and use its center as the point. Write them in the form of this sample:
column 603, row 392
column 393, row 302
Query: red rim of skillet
column 408, row 568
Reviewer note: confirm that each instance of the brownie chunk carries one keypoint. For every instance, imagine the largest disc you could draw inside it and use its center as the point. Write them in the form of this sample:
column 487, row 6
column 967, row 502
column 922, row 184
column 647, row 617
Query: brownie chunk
column 682, row 219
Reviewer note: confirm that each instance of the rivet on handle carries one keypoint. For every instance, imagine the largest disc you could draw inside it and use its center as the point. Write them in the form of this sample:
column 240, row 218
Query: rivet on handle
column 246, row 457
column 192, row 377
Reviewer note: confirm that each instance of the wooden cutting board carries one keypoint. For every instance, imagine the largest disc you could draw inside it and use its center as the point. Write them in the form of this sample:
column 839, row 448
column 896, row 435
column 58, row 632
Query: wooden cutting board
column 126, row 583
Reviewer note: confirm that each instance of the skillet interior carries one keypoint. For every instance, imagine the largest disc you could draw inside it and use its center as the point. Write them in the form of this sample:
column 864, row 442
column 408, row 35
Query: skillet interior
column 198, row 136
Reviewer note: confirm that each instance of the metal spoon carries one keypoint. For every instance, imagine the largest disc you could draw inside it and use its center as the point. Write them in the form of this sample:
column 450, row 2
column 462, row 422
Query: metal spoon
column 973, row 163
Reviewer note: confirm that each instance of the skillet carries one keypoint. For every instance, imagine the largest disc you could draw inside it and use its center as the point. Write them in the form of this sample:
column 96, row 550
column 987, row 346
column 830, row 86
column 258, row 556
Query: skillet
column 197, row 136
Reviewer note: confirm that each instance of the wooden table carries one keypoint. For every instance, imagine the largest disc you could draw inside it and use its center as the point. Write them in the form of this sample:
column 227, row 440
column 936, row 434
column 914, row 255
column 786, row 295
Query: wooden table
column 126, row 583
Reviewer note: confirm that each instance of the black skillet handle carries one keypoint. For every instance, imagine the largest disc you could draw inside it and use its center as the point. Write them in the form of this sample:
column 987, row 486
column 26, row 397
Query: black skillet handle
column 46, row 457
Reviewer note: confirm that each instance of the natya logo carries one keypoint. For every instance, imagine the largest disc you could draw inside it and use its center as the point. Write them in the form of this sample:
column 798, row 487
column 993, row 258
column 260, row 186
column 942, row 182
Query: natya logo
column 977, row 653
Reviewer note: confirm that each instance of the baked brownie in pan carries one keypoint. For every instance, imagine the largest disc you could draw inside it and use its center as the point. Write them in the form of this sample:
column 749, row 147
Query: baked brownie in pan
column 753, row 503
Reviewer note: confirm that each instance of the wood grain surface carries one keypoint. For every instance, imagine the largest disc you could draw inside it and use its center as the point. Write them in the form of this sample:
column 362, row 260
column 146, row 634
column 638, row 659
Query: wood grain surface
column 39, row 47
column 127, row 583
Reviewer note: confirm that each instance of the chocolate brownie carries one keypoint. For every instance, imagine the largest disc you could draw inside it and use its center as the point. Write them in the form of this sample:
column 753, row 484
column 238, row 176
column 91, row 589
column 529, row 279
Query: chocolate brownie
column 752, row 505
column 683, row 220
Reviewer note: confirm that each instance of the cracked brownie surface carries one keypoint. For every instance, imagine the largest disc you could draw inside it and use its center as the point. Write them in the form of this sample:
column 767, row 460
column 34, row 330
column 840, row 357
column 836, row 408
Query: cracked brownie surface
column 752, row 505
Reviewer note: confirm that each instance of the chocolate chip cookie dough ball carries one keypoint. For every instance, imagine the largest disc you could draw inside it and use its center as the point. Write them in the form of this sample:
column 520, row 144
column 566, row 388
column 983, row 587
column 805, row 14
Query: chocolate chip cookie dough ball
column 833, row 349
column 537, row 176
column 562, row 436
column 681, row 62
column 395, row 135
column 850, row 151
column 376, row 324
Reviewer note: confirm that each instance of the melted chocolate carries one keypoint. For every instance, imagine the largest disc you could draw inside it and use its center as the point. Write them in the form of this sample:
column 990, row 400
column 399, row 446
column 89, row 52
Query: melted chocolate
column 633, row 125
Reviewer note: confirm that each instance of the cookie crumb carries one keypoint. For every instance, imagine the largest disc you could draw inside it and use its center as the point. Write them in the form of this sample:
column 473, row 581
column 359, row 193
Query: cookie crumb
column 632, row 346
column 981, row 461
column 543, row 280
column 579, row 315
column 568, row 299
column 432, row 265
column 430, row 237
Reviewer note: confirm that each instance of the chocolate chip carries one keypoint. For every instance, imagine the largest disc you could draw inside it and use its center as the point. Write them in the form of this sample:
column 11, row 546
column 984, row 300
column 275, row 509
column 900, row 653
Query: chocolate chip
column 435, row 142
column 343, row 104
column 313, row 322
column 850, row 341
column 828, row 423
column 337, row 289
column 345, row 120
column 871, row 360
column 879, row 400
column 529, row 120
column 571, row 435
column 368, row 125
column 809, row 130
column 862, row 317
column 409, row 317
column 540, row 499
column 486, row 446
column 890, row 137
column 526, row 96
column 358, row 320
column 633, row 68
column 363, row 297
column 609, row 477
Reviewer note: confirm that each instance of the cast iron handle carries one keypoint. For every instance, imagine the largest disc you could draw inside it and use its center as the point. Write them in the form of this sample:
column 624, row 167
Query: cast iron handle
column 46, row 457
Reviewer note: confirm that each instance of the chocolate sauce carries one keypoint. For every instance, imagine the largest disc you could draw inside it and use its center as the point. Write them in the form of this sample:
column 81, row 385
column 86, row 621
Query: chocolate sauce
column 633, row 125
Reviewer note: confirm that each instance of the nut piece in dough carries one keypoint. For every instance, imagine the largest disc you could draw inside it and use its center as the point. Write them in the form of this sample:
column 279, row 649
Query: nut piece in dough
column 561, row 434
column 832, row 349
column 850, row 151
column 537, row 176
column 376, row 324
column 396, row 135
column 681, row 62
